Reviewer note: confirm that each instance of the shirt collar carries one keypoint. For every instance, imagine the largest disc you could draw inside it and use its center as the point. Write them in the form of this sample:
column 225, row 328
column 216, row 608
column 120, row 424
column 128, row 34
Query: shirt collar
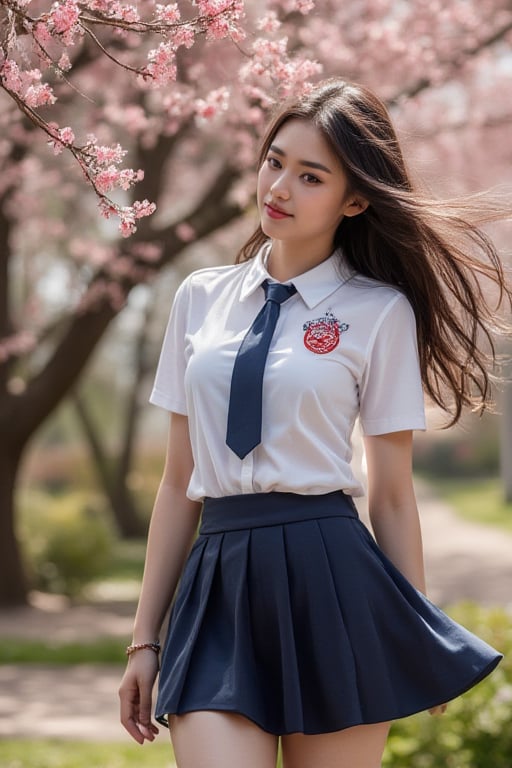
column 313, row 286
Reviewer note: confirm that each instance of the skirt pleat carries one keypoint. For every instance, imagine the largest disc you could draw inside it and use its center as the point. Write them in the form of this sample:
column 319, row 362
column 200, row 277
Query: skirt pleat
column 289, row 613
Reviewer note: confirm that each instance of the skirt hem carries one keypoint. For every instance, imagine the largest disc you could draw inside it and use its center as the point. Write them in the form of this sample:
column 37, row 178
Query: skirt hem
column 232, row 709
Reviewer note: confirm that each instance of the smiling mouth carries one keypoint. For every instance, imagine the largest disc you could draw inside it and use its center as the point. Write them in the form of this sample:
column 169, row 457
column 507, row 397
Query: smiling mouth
column 276, row 213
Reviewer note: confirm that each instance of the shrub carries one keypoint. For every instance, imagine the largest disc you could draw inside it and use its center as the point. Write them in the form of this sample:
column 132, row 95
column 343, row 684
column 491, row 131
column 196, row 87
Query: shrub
column 69, row 543
column 476, row 730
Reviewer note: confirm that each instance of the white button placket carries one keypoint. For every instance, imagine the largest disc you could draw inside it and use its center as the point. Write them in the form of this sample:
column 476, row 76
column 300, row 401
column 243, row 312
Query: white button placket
column 246, row 473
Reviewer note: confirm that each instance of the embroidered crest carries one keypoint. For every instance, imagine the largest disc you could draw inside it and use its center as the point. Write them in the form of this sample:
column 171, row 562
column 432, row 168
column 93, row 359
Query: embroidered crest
column 323, row 334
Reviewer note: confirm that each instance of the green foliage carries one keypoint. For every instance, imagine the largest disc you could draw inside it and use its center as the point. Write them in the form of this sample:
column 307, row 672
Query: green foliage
column 127, row 561
column 50, row 753
column 476, row 730
column 470, row 453
column 480, row 500
column 105, row 650
column 69, row 542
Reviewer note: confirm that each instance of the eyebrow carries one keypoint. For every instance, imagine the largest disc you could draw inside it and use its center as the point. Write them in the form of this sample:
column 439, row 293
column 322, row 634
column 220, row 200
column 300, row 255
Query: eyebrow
column 307, row 163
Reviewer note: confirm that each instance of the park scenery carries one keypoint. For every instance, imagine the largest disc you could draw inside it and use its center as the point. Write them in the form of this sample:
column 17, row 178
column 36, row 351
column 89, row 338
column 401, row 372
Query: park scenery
column 128, row 140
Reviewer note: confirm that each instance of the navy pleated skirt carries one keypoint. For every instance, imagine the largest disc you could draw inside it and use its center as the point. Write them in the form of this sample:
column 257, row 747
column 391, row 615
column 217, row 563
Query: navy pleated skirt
column 288, row 613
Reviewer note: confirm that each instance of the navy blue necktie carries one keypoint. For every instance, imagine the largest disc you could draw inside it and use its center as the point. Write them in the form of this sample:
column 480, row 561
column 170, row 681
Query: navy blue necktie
column 244, row 415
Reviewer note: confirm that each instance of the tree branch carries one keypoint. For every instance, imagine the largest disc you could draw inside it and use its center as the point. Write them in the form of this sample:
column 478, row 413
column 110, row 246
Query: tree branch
column 452, row 65
column 29, row 409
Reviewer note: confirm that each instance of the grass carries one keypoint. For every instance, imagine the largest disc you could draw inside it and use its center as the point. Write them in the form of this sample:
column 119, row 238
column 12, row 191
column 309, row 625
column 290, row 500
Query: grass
column 124, row 574
column 51, row 753
column 479, row 500
column 102, row 651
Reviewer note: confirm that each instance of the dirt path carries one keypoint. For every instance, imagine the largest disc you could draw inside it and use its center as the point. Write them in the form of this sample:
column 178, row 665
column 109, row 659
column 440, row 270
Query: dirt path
column 464, row 561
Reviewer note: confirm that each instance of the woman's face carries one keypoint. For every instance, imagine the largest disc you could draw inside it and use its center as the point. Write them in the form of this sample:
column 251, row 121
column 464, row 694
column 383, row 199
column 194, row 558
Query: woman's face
column 302, row 188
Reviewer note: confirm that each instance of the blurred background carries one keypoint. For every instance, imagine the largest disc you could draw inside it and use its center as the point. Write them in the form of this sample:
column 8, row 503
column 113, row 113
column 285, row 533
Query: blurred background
column 82, row 316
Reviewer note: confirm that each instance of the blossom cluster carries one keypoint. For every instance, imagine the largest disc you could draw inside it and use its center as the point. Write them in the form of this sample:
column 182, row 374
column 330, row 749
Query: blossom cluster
column 270, row 62
column 25, row 85
column 38, row 47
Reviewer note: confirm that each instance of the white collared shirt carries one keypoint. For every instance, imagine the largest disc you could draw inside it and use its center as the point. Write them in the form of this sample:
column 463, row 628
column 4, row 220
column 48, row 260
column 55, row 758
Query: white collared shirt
column 344, row 346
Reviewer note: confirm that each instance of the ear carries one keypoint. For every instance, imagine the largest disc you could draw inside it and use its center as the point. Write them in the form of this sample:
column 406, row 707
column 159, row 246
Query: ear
column 355, row 205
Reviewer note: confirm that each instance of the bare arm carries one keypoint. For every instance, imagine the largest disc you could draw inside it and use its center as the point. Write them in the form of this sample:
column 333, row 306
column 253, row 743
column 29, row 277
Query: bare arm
column 392, row 503
column 173, row 526
column 172, row 530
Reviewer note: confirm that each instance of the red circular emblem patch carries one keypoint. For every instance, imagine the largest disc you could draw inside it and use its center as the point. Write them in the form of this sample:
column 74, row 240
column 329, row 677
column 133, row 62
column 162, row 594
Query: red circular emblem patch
column 322, row 337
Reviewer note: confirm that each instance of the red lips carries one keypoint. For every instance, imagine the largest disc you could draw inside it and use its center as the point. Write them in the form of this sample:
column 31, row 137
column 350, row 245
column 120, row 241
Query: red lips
column 275, row 213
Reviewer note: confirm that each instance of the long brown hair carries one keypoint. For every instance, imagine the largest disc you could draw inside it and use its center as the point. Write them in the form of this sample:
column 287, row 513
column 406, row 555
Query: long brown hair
column 432, row 250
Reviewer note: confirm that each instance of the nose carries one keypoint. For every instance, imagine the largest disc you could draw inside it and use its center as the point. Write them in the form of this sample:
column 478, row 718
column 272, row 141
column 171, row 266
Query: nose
column 279, row 189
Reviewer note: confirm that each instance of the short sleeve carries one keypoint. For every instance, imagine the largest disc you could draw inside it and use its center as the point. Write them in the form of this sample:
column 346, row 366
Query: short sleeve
column 391, row 391
column 169, row 387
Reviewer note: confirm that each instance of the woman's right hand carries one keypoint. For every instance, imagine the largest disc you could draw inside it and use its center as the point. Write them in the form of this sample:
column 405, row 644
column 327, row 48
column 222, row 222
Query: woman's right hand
column 135, row 694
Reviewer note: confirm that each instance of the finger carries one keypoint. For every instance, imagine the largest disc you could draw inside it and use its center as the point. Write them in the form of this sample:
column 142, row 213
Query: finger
column 147, row 727
column 129, row 711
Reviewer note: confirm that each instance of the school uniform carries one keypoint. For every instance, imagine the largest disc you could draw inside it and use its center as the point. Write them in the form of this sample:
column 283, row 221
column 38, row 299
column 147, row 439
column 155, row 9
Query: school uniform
column 287, row 610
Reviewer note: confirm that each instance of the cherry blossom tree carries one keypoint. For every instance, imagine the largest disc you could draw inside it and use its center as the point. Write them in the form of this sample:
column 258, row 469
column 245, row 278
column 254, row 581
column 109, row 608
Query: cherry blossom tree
column 181, row 93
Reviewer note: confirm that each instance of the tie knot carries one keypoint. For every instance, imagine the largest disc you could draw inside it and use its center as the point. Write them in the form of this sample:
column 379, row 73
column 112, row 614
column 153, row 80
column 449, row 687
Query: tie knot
column 278, row 292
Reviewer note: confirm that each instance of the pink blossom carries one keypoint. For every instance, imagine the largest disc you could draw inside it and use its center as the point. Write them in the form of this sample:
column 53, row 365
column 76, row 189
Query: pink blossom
column 127, row 178
column 129, row 13
column 110, row 178
column 90, row 251
column 183, row 37
column 56, row 146
column 170, row 13
column 11, row 76
column 103, row 6
column 42, row 34
column 269, row 22
column 113, row 154
column 300, row 6
column 131, row 116
column 107, row 208
column 107, row 179
column 142, row 208
column 185, row 232
column 127, row 225
column 217, row 7
column 39, row 96
column 64, row 62
column 66, row 135
column 63, row 20
column 148, row 252
column 217, row 101
column 161, row 64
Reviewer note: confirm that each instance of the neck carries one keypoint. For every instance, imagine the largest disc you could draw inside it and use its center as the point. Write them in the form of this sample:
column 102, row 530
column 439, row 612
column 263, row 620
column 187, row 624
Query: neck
column 288, row 260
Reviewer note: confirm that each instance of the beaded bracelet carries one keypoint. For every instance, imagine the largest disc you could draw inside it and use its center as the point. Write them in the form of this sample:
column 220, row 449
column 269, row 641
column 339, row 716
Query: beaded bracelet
column 139, row 646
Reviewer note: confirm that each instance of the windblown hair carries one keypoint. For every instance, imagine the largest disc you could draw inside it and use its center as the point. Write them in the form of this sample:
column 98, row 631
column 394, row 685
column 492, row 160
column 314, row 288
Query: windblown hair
column 432, row 250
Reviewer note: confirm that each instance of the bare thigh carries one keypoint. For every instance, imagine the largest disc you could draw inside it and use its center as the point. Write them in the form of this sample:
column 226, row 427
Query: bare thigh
column 358, row 747
column 220, row 740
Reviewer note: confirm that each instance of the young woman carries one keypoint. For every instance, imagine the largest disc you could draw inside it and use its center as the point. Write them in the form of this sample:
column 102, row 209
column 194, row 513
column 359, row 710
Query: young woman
column 353, row 296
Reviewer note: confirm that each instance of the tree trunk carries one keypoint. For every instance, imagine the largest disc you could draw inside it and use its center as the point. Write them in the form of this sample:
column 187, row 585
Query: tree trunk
column 129, row 522
column 13, row 584
column 111, row 480
column 113, row 471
